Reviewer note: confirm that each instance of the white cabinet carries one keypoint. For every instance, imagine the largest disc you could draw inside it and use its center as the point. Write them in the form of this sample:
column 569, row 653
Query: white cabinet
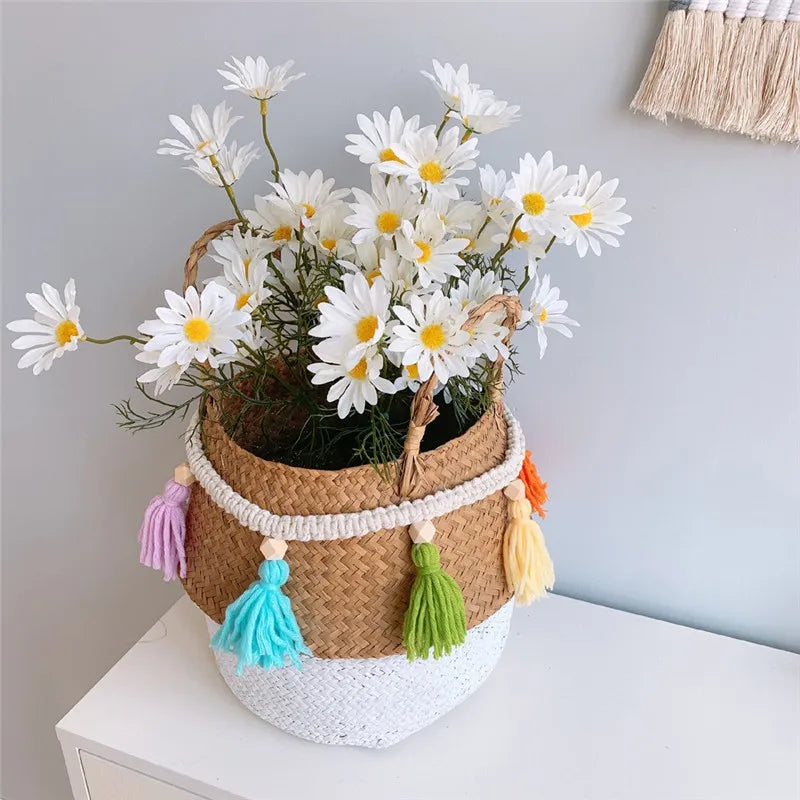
column 587, row 703
column 106, row 780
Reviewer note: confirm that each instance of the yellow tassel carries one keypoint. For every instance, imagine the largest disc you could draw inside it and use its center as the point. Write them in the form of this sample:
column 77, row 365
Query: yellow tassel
column 529, row 568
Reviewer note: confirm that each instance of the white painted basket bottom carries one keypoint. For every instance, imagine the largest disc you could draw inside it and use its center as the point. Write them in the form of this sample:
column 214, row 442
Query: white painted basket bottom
column 371, row 702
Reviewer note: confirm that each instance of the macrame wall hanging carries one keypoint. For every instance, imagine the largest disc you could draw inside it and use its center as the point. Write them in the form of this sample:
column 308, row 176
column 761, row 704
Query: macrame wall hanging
column 732, row 65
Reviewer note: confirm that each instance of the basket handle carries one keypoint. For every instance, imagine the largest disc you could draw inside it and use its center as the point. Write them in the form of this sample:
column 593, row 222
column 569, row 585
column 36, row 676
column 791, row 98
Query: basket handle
column 198, row 250
column 423, row 408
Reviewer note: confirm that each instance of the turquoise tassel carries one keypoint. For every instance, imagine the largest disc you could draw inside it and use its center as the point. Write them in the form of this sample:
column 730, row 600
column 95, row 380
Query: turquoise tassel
column 259, row 626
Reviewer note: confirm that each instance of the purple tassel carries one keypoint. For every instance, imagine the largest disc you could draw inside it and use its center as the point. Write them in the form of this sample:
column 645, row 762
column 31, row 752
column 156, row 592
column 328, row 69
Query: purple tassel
column 163, row 531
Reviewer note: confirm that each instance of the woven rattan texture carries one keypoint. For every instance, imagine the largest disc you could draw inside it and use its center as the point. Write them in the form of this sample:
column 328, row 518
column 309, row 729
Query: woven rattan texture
column 349, row 595
column 293, row 490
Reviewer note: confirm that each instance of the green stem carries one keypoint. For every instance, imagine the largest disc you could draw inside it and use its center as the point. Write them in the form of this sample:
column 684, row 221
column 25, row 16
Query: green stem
column 276, row 168
column 228, row 189
column 121, row 337
column 482, row 228
column 528, row 272
column 443, row 122
column 507, row 246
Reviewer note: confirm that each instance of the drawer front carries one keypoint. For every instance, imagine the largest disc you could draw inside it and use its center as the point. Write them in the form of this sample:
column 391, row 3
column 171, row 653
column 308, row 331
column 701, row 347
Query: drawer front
column 106, row 780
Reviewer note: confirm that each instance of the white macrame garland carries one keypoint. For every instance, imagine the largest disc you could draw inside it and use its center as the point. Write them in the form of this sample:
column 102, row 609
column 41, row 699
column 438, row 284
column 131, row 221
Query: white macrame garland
column 326, row 527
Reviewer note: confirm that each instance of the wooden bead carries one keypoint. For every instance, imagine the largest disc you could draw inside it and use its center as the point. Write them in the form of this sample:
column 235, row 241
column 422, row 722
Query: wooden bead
column 422, row 531
column 515, row 490
column 273, row 549
column 183, row 475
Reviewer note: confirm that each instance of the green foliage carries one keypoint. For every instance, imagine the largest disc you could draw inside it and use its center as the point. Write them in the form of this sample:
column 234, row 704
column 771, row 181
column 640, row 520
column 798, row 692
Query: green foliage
column 266, row 400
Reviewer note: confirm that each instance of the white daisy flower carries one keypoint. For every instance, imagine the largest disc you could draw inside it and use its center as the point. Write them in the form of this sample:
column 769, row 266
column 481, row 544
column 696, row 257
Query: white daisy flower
column 354, row 385
column 380, row 136
column 456, row 216
column 54, row 329
column 493, row 190
column 601, row 218
column 254, row 77
column 482, row 235
column 479, row 288
column 424, row 245
column 400, row 275
column 248, row 246
column 381, row 213
column 165, row 377
column 355, row 316
column 231, row 161
column 307, row 194
column 254, row 337
column 547, row 310
column 408, row 378
column 539, row 193
column 432, row 164
column 533, row 244
column 246, row 282
column 430, row 336
column 205, row 138
column 333, row 236
column 275, row 216
column 450, row 83
column 369, row 255
column 195, row 326
column 486, row 336
column 286, row 264
column 481, row 112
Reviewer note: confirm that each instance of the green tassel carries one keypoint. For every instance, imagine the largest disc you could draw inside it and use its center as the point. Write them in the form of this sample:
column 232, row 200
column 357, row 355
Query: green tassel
column 435, row 617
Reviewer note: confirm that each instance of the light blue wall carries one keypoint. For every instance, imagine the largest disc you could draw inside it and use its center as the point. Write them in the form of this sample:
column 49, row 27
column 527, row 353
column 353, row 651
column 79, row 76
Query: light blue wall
column 667, row 429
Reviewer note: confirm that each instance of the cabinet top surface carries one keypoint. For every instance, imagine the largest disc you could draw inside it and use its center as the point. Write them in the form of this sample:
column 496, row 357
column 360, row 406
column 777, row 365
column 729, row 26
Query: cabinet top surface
column 587, row 702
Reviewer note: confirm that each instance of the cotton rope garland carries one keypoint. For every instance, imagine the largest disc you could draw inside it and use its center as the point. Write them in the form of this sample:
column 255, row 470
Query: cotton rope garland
column 733, row 65
column 326, row 527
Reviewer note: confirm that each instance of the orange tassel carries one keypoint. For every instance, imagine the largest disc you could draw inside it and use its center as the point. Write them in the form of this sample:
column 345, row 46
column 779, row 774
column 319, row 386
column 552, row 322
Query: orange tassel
column 535, row 489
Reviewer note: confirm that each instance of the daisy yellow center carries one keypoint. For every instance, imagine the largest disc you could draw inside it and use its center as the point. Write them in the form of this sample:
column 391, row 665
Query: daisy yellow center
column 582, row 220
column 533, row 203
column 329, row 244
column 197, row 330
column 520, row 237
column 310, row 210
column 426, row 252
column 65, row 331
column 388, row 222
column 246, row 264
column 371, row 276
column 432, row 336
column 389, row 155
column 431, row 172
column 366, row 327
column 282, row 234
column 413, row 372
column 359, row 371
column 543, row 316
column 242, row 300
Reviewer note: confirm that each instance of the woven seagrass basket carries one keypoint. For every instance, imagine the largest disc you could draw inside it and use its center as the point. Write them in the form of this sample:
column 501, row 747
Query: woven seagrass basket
column 349, row 586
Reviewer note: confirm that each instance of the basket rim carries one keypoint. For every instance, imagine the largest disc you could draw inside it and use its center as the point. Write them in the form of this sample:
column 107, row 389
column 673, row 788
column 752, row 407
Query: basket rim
column 343, row 525
column 308, row 473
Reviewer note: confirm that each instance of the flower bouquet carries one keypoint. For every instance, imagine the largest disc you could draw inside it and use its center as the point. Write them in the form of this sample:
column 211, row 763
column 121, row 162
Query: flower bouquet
column 342, row 375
